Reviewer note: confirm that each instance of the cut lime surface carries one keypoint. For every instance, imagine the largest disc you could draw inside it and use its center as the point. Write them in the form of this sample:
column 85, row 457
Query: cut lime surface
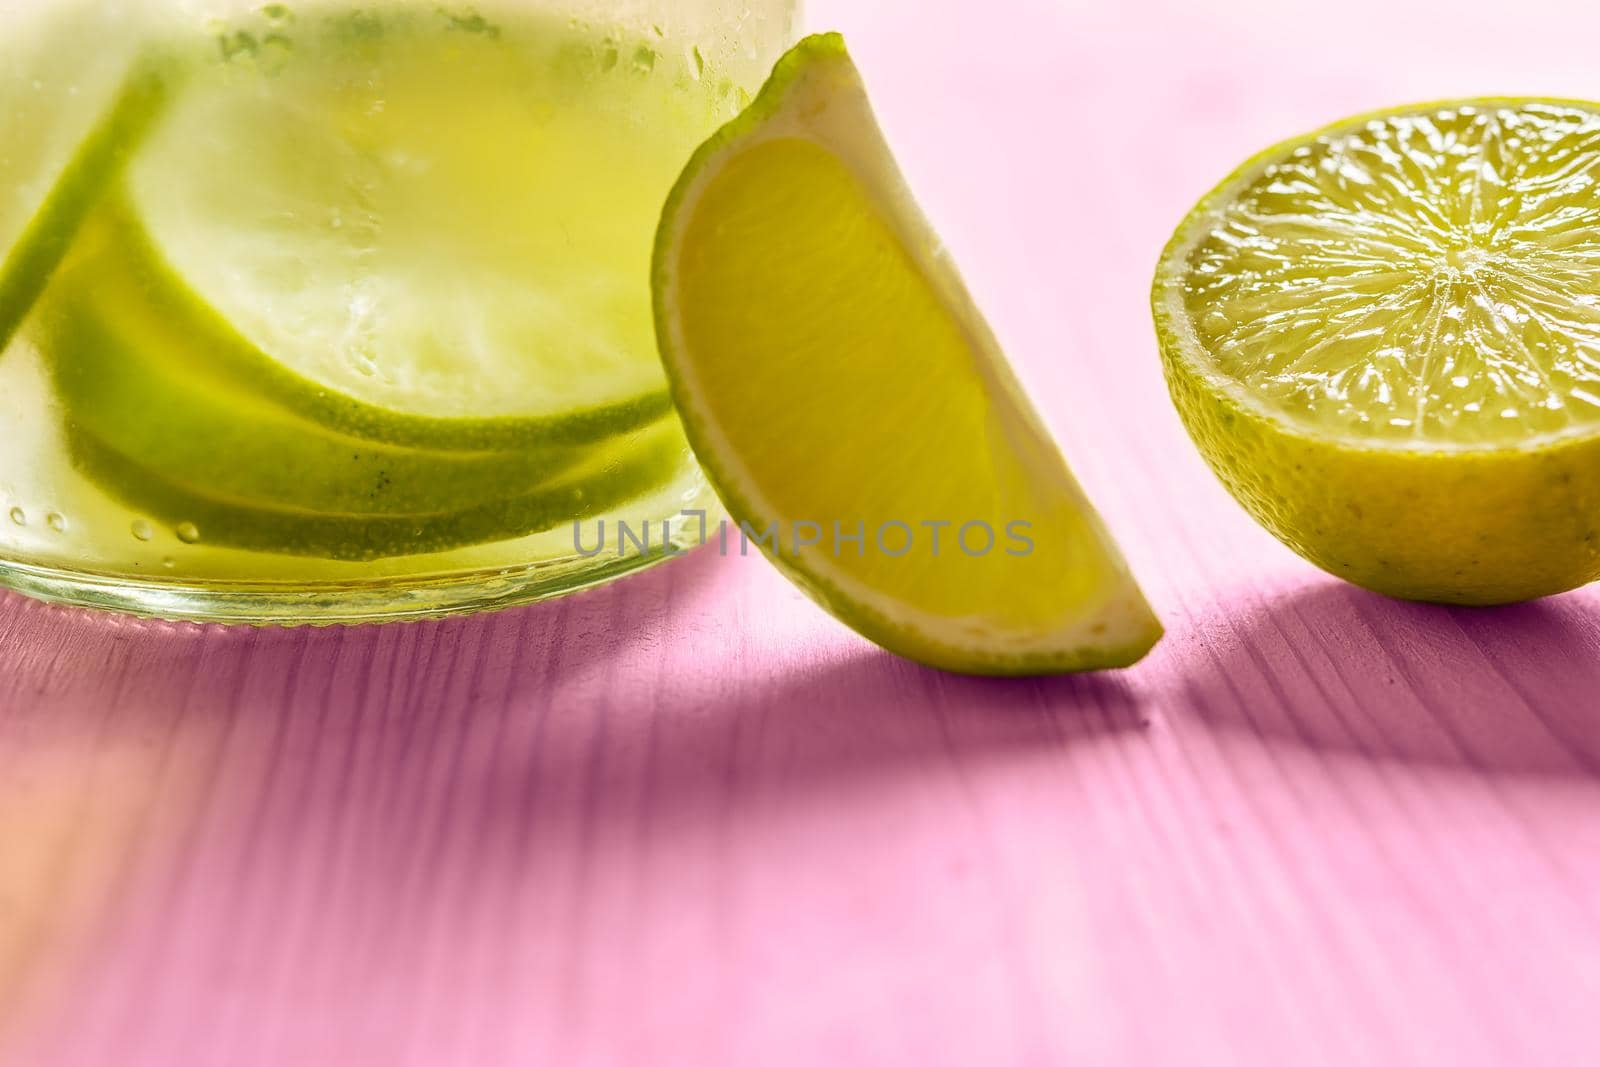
column 836, row 379
column 1385, row 337
column 392, row 266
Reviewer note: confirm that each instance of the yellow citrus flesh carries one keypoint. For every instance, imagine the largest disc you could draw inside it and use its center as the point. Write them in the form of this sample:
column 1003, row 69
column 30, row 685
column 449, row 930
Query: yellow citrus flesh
column 1385, row 339
column 836, row 380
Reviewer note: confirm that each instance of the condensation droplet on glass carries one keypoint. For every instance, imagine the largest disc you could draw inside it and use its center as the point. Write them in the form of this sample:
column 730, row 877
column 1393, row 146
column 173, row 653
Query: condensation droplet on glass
column 56, row 521
column 19, row 516
column 142, row 530
column 169, row 563
column 188, row 533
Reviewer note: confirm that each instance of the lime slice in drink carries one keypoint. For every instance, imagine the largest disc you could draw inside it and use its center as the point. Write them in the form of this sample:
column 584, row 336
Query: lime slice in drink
column 28, row 266
column 607, row 477
column 837, row 383
column 421, row 235
column 1385, row 338
column 202, row 430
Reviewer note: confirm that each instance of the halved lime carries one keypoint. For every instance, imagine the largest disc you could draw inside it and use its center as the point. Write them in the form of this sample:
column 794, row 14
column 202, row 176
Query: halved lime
column 419, row 234
column 1385, row 338
column 848, row 400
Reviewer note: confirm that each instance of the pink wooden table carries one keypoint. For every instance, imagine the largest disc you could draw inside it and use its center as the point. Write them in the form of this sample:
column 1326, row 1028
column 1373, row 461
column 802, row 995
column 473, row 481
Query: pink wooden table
column 690, row 820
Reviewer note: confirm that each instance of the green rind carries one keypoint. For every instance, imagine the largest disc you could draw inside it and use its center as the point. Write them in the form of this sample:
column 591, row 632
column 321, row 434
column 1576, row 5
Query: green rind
column 93, row 169
column 592, row 489
column 1521, row 523
column 1474, row 528
column 159, row 291
column 892, row 634
column 124, row 392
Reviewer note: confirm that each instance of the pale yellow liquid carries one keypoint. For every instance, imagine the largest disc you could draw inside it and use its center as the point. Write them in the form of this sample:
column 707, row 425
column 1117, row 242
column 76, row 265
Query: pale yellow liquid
column 601, row 120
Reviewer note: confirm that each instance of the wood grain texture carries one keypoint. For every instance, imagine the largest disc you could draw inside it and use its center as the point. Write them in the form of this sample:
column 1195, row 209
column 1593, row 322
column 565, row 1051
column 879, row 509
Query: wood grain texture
column 690, row 820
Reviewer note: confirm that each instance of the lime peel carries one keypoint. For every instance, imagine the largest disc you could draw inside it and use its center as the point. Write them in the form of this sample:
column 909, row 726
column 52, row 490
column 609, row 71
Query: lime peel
column 113, row 381
column 605, row 479
column 91, row 172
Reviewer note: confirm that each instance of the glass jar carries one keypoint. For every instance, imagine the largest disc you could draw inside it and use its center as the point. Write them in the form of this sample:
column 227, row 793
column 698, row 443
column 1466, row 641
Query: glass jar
column 339, row 310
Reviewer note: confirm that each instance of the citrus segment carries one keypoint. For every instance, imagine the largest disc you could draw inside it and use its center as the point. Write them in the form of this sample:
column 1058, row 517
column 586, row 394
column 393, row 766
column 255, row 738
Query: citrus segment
column 841, row 389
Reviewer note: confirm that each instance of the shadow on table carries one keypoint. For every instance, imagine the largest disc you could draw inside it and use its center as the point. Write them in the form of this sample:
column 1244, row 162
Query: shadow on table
column 539, row 699
column 45, row 648
column 348, row 799
column 1511, row 690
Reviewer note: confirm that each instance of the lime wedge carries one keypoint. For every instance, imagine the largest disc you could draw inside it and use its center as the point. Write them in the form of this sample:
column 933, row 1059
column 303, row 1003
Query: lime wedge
column 392, row 266
column 605, row 479
column 1385, row 338
column 93, row 169
column 836, row 381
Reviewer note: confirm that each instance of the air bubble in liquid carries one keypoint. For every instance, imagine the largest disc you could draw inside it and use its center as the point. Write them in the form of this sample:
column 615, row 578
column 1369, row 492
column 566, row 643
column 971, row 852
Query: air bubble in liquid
column 188, row 533
column 142, row 530
column 19, row 516
column 56, row 521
